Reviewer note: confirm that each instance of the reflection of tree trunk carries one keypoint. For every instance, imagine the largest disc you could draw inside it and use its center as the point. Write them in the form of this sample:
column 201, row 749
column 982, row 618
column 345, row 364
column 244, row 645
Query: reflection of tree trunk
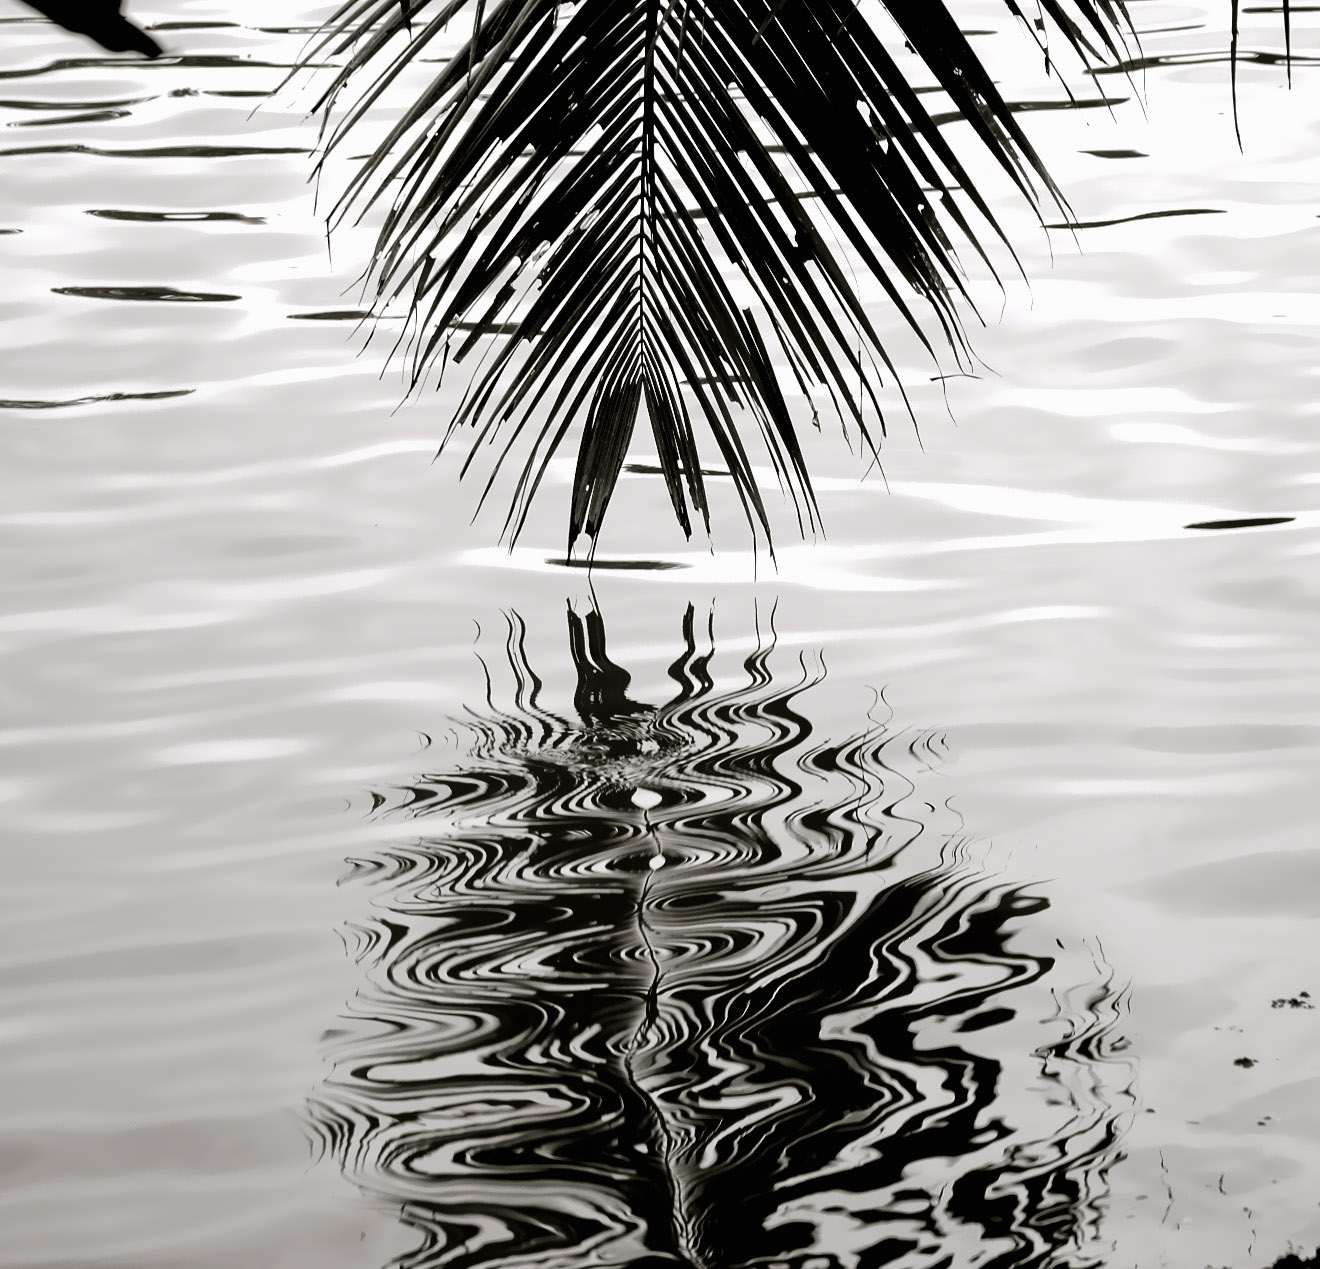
column 649, row 989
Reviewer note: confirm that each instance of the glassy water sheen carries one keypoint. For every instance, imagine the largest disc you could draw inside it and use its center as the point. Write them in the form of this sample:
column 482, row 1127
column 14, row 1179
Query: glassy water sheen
column 941, row 893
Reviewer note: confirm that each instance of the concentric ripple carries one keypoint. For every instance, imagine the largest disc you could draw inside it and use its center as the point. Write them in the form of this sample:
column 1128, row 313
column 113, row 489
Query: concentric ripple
column 692, row 983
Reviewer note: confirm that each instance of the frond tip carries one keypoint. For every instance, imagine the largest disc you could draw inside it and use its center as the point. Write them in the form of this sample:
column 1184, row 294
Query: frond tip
column 587, row 179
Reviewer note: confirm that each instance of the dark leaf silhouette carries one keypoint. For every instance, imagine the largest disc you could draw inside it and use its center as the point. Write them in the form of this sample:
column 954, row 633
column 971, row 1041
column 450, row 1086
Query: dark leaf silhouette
column 586, row 175
column 659, row 209
column 99, row 20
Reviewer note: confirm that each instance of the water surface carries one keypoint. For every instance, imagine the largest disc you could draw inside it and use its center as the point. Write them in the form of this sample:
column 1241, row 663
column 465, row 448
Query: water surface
column 982, row 921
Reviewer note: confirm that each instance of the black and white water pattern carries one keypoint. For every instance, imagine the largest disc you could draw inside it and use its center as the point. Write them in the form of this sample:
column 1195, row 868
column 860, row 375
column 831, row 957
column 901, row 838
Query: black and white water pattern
column 942, row 892
column 692, row 982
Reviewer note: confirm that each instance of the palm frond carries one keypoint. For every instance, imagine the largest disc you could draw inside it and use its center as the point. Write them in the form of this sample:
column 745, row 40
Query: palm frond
column 99, row 20
column 601, row 181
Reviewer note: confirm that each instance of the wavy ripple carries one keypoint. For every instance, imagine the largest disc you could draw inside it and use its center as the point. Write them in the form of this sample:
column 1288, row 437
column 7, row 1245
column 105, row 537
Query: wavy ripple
column 161, row 395
column 693, row 983
column 217, row 61
column 151, row 294
column 114, row 213
column 158, row 151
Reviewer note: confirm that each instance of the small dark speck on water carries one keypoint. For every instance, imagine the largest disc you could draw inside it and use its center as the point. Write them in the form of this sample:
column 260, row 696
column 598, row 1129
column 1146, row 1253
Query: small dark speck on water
column 167, row 294
column 1300, row 1001
column 1251, row 522
column 1245, row 1063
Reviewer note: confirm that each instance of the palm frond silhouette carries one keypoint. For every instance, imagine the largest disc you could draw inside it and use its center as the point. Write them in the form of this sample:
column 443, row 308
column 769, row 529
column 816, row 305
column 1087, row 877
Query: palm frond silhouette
column 99, row 20
column 652, row 203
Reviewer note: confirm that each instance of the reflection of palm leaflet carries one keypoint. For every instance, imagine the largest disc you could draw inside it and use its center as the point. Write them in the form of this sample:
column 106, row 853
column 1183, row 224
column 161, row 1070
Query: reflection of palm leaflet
column 781, row 1041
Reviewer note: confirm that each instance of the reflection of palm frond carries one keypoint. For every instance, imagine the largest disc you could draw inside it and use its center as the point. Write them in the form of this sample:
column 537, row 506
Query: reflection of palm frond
column 588, row 180
column 773, row 1013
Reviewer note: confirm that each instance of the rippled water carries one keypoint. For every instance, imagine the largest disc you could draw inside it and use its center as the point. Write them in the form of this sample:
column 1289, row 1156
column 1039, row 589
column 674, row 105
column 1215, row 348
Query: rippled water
column 694, row 982
column 943, row 894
